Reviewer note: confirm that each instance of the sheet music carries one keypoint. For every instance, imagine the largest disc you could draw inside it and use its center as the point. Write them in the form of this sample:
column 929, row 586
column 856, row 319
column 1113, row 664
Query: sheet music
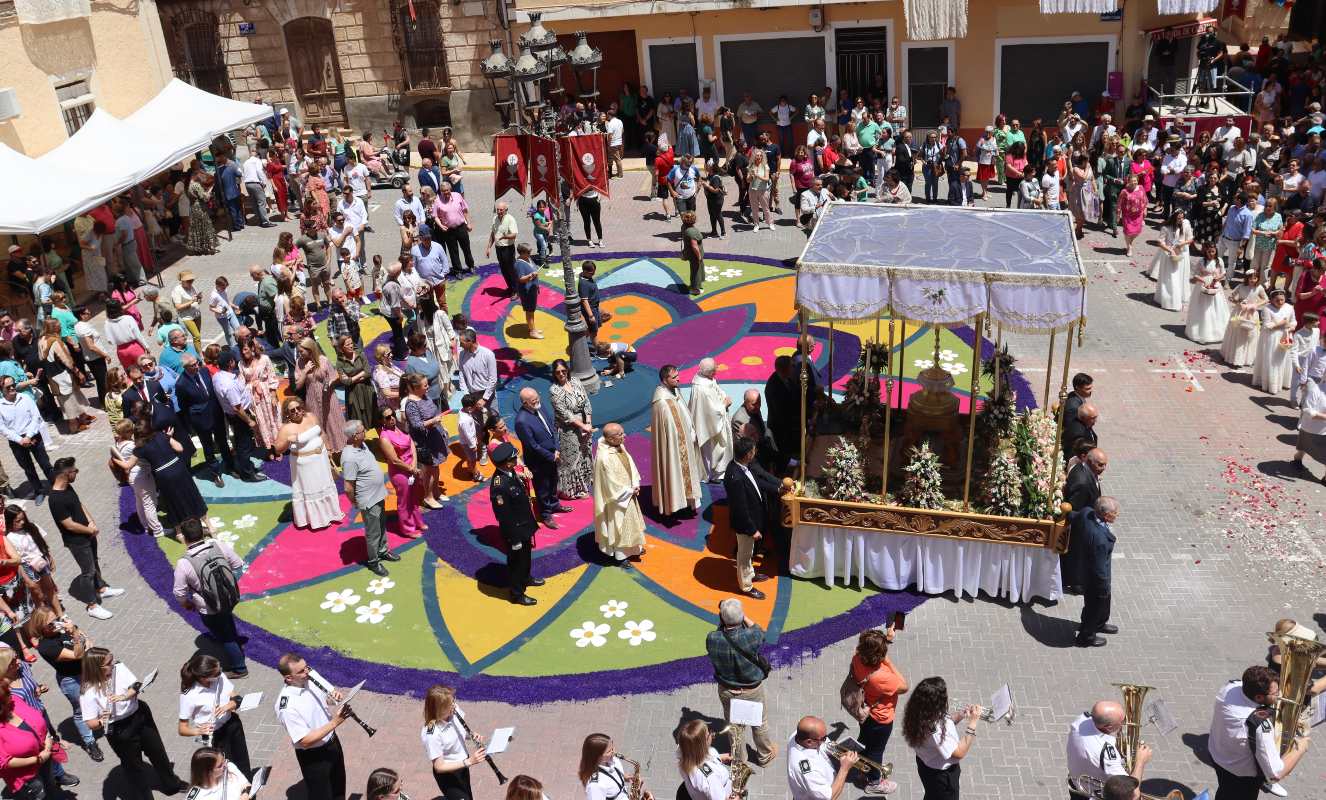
column 250, row 701
column 151, row 676
column 1001, row 703
column 499, row 741
column 1318, row 710
column 350, row 695
column 259, row 781
column 746, row 712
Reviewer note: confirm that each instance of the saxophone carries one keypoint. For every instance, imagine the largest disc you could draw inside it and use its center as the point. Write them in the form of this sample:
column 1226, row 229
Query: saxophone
column 635, row 786
column 741, row 772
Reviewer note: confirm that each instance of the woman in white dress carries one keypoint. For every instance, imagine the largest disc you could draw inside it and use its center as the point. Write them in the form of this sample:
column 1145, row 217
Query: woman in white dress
column 1208, row 310
column 1273, row 368
column 314, row 499
column 1239, row 346
column 1170, row 267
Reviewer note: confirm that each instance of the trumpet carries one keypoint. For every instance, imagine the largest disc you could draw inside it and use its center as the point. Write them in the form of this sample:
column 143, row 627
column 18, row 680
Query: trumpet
column 866, row 766
column 987, row 714
column 1094, row 788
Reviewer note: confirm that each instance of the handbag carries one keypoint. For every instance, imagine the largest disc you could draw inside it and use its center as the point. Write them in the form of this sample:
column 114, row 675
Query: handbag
column 755, row 658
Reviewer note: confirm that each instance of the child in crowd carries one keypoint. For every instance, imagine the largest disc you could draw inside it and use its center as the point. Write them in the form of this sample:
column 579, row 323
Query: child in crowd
column 1305, row 344
column 467, row 431
column 219, row 304
column 354, row 284
column 125, row 464
column 620, row 356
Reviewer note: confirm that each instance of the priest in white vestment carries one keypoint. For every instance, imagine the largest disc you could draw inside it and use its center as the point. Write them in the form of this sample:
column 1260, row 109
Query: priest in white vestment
column 709, row 405
column 674, row 452
column 619, row 527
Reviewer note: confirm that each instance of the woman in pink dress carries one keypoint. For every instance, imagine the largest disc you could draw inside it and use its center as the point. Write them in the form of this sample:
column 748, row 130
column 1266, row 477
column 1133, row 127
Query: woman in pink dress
column 257, row 371
column 123, row 293
column 316, row 378
column 1132, row 211
column 1310, row 294
column 142, row 241
column 398, row 450
column 1143, row 169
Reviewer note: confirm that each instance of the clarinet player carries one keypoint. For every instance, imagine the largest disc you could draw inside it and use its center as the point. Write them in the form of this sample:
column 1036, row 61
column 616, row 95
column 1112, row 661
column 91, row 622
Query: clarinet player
column 304, row 709
column 209, row 707
column 444, row 737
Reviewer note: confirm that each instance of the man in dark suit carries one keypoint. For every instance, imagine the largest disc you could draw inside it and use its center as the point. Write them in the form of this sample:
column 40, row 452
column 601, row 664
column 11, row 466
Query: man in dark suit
column 535, row 429
column 748, row 422
column 1092, row 533
column 516, row 522
column 143, row 388
column 198, row 404
column 1080, row 427
column 1082, row 386
column 746, row 508
column 1081, row 491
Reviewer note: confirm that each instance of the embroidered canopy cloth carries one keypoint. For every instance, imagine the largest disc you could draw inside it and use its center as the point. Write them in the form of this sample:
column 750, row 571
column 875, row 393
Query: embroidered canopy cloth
column 943, row 265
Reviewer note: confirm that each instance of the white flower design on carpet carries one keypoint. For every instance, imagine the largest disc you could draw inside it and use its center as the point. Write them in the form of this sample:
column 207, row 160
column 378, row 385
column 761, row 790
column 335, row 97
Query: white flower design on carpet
column 614, row 608
column 590, row 634
column 374, row 612
column 380, row 585
column 246, row 521
column 337, row 602
column 637, row 632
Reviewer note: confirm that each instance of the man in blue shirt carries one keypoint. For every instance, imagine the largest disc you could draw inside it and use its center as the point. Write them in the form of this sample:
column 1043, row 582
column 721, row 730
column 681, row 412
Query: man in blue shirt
column 228, row 187
column 1238, row 229
column 430, row 260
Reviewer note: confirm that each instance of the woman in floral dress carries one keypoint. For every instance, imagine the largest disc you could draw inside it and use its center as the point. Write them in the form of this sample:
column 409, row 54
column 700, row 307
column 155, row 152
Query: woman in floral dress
column 575, row 429
column 316, row 378
column 257, row 371
column 202, row 239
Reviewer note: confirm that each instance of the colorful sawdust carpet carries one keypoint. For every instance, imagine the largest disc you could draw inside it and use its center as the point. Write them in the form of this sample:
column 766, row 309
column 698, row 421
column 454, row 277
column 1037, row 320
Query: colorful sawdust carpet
column 442, row 615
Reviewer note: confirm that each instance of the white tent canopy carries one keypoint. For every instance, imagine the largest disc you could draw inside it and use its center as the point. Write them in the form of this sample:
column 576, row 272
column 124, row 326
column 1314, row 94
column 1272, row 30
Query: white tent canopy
column 108, row 155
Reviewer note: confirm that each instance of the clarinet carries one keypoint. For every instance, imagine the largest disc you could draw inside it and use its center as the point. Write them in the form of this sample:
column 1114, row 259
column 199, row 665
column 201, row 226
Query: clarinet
column 469, row 734
column 349, row 712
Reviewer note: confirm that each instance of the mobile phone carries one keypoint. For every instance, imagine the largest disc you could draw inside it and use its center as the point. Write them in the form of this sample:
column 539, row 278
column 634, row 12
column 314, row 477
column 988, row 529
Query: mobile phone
column 899, row 621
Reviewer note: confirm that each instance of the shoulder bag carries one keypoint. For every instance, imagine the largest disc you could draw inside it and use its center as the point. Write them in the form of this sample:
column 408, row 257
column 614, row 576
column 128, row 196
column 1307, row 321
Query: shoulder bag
column 755, row 658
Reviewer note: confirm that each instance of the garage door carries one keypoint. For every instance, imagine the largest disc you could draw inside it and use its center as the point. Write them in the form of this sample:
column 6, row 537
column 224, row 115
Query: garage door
column 768, row 68
column 1036, row 79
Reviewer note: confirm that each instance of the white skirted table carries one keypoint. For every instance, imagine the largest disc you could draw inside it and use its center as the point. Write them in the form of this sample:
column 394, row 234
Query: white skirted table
column 932, row 564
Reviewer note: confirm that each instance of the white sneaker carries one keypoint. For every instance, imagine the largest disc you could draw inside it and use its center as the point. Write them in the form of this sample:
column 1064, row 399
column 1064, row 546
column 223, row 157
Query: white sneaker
column 1275, row 789
column 111, row 592
column 97, row 612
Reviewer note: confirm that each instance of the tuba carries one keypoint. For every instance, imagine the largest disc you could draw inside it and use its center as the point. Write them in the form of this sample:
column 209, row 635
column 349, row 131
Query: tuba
column 741, row 772
column 1130, row 736
column 1298, row 657
column 1094, row 788
column 864, row 765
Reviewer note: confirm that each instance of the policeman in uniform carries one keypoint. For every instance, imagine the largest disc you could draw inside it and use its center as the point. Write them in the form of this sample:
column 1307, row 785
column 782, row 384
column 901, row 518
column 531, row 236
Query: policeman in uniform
column 303, row 709
column 1093, row 746
column 810, row 773
column 515, row 519
column 1243, row 743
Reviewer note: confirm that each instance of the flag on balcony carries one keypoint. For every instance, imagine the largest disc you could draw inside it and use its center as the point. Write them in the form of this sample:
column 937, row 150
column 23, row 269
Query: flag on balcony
column 585, row 163
column 510, row 167
column 542, row 166
column 928, row 20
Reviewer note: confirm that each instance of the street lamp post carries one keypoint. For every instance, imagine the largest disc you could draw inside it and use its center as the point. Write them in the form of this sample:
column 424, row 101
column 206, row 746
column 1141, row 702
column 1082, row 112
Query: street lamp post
column 533, row 81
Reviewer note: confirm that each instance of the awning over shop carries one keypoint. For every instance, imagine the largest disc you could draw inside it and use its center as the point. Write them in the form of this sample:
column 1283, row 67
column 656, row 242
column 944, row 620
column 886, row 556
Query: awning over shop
column 1181, row 30
column 108, row 155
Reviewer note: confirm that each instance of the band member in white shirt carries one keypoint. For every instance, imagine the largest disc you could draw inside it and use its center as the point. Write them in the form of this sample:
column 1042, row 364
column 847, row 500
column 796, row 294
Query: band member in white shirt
column 444, row 735
column 810, row 773
column 304, row 709
column 110, row 704
column 1093, row 746
column 213, row 777
column 209, row 707
column 704, row 772
column 1243, row 744
column 601, row 771
column 929, row 729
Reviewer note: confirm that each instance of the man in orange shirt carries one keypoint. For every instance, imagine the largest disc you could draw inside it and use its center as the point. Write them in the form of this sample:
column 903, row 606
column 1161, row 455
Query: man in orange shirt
column 882, row 684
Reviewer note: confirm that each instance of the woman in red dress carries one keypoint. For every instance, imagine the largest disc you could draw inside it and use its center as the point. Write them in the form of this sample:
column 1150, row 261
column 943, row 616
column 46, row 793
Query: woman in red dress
column 1286, row 250
column 1310, row 294
column 275, row 168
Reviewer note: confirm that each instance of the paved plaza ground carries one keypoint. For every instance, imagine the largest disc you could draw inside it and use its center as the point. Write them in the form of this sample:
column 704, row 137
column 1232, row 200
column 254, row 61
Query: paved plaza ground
column 1217, row 540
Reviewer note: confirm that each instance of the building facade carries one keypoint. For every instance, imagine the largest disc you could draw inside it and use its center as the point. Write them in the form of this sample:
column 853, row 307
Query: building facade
column 1013, row 59
column 353, row 64
column 60, row 59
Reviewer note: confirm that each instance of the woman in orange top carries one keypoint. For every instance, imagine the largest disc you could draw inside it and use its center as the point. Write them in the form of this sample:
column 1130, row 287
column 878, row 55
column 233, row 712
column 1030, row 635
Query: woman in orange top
column 882, row 684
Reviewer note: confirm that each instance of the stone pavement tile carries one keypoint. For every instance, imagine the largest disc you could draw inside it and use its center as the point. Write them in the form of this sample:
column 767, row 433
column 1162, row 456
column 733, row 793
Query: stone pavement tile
column 1191, row 603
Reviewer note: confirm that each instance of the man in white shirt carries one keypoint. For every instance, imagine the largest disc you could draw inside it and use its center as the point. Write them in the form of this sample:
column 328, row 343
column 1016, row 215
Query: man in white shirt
column 813, row 202
column 810, row 773
column 1093, row 746
column 707, row 106
column 254, row 174
column 1243, row 742
column 1098, row 133
column 478, row 367
column 1226, row 134
column 358, row 178
column 614, row 128
column 408, row 202
column 21, row 424
column 303, row 709
column 1147, row 136
column 897, row 114
column 684, row 183
column 1171, row 166
column 356, row 220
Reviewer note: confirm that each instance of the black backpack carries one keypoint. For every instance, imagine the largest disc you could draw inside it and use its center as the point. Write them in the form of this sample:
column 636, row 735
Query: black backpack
column 216, row 580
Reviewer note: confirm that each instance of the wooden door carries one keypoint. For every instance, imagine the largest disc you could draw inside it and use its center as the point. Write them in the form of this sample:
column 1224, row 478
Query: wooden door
column 316, row 71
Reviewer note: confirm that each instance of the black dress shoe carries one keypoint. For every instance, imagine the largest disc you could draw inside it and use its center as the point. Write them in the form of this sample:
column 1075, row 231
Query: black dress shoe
column 389, row 556
column 1109, row 628
column 755, row 594
column 252, row 477
column 551, row 522
column 523, row 600
column 217, row 479
column 537, row 581
column 563, row 510
column 67, row 779
column 1094, row 641
column 760, row 577
column 376, row 568
column 94, row 753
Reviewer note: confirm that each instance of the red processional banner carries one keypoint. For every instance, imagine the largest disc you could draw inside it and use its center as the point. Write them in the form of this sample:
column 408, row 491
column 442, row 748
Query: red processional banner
column 585, row 163
column 509, row 165
column 542, row 161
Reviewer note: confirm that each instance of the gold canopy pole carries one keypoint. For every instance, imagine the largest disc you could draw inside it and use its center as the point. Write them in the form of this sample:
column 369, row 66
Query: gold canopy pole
column 1049, row 369
column 999, row 342
column 1059, row 414
column 828, row 373
column 977, row 341
column 805, row 384
column 888, row 405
